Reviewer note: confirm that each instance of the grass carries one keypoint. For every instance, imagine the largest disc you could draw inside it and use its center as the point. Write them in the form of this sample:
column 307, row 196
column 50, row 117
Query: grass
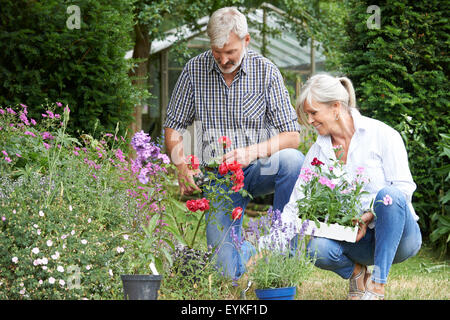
column 422, row 277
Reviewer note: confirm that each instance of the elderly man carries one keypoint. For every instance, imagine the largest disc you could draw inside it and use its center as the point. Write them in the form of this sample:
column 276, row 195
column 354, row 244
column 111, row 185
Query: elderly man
column 235, row 92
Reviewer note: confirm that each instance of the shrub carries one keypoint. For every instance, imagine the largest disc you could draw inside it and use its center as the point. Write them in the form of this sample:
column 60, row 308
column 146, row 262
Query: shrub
column 41, row 58
column 400, row 72
column 62, row 211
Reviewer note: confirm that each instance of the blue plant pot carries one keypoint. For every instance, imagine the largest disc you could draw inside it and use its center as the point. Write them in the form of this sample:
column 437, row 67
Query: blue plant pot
column 287, row 293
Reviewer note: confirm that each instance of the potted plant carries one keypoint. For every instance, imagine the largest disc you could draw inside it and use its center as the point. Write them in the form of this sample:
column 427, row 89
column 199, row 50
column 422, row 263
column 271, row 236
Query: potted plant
column 148, row 243
column 331, row 202
column 279, row 266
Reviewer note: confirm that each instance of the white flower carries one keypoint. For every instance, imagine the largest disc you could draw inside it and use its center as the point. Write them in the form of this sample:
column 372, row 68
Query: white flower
column 35, row 250
column 51, row 280
column 35, row 225
column 14, row 211
column 60, row 269
column 44, row 260
column 63, row 236
column 72, row 232
column 41, row 282
column 44, row 268
column 37, row 262
column 55, row 256
column 84, row 241
column 125, row 236
column 38, row 232
column 22, row 292
column 120, row 249
column 110, row 272
column 89, row 220
column 70, row 207
column 15, row 259
column 62, row 282
column 49, row 243
column 41, row 213
column 88, row 267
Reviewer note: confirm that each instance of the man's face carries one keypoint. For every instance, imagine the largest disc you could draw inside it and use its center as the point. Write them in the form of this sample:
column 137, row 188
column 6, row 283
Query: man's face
column 229, row 57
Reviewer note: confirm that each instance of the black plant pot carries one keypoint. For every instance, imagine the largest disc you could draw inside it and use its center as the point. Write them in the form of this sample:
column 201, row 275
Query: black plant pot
column 140, row 287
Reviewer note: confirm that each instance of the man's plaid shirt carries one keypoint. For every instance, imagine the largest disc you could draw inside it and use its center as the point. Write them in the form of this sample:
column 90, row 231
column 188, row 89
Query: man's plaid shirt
column 255, row 107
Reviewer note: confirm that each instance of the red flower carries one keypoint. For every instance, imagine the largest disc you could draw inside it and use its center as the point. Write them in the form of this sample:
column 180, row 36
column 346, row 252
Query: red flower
column 192, row 205
column 199, row 204
column 223, row 169
column 225, row 141
column 203, row 204
column 317, row 162
column 237, row 187
column 238, row 176
column 193, row 162
column 234, row 166
column 237, row 213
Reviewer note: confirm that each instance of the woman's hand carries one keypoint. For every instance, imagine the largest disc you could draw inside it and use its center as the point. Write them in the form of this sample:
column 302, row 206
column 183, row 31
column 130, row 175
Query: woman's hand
column 362, row 222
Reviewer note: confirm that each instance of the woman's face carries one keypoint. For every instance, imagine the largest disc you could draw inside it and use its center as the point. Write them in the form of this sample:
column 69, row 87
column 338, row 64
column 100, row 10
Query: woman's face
column 321, row 116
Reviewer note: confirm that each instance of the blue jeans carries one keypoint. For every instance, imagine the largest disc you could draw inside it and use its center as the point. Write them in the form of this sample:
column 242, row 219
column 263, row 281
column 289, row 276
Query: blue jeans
column 276, row 174
column 395, row 238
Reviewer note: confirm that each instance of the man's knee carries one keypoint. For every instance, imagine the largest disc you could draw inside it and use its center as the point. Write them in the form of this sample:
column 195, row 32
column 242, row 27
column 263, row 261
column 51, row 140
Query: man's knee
column 286, row 162
column 291, row 159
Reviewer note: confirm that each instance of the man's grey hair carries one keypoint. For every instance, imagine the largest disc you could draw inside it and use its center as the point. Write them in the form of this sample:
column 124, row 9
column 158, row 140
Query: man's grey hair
column 224, row 21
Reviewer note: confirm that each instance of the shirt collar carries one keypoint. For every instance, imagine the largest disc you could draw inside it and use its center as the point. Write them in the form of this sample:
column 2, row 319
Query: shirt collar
column 359, row 123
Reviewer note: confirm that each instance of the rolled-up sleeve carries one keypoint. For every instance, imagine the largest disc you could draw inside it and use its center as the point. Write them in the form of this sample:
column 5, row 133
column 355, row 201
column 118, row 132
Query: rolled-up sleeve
column 180, row 111
column 280, row 113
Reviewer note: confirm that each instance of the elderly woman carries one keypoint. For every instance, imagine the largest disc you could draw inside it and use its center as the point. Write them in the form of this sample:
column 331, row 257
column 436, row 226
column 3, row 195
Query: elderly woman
column 390, row 236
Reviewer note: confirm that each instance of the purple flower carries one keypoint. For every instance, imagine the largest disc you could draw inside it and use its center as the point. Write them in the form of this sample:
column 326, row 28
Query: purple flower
column 28, row 133
column 47, row 136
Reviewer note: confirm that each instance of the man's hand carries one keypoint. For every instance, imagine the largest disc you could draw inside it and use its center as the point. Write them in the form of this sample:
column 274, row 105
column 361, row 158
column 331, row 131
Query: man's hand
column 242, row 155
column 186, row 179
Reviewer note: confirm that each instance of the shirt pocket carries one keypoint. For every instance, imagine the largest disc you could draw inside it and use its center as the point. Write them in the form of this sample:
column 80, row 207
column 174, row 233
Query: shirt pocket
column 253, row 105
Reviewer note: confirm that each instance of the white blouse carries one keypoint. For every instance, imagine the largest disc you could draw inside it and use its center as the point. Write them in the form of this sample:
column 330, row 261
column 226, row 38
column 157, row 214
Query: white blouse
column 376, row 147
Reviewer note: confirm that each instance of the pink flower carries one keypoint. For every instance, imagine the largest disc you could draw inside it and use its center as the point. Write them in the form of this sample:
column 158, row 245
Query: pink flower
column 387, row 200
column 28, row 133
column 8, row 159
column 359, row 170
column 10, row 111
column 59, row 104
column 46, row 145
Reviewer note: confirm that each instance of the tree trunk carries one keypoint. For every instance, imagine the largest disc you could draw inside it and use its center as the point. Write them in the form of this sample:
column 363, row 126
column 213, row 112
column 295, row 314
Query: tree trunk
column 139, row 74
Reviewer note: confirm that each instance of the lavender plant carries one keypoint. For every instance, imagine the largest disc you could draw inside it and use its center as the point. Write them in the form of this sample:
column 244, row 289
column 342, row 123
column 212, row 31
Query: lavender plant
column 279, row 262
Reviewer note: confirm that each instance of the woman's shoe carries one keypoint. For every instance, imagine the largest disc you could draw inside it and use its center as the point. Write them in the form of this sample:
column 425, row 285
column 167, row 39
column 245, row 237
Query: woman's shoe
column 370, row 295
column 356, row 291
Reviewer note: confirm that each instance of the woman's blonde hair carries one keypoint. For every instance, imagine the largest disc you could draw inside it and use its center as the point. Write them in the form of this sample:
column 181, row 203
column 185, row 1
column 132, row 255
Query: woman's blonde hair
column 325, row 88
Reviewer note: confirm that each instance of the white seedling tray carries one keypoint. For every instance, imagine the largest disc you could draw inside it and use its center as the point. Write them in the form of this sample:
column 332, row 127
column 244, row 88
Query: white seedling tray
column 333, row 231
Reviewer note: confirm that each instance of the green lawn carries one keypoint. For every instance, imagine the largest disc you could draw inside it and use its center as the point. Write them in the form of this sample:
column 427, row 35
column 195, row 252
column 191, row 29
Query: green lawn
column 422, row 277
